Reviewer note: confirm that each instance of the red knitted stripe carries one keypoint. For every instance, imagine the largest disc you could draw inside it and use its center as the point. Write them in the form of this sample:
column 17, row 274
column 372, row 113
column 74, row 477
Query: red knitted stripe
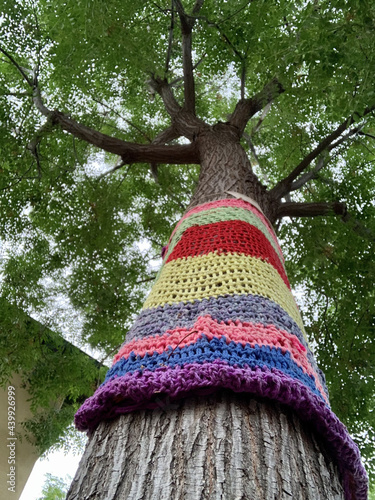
column 233, row 236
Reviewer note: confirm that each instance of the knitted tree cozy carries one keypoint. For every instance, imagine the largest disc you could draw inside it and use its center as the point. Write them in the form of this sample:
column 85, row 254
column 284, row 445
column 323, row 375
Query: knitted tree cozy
column 221, row 315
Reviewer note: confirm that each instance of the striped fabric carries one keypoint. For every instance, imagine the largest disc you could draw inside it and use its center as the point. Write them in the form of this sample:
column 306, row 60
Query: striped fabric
column 221, row 315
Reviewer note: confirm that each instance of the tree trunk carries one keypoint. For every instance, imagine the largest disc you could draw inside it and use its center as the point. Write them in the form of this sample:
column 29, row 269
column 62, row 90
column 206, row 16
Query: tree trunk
column 197, row 443
column 224, row 446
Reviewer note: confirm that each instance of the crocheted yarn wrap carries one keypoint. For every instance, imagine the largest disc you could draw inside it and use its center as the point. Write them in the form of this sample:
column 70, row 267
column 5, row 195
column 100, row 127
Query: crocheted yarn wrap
column 221, row 315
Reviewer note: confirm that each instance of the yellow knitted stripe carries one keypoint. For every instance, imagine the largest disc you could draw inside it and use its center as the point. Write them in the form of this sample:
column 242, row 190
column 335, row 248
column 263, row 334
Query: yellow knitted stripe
column 211, row 275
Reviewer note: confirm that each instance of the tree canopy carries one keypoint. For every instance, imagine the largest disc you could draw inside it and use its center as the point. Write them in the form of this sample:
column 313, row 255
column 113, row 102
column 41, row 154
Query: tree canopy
column 95, row 172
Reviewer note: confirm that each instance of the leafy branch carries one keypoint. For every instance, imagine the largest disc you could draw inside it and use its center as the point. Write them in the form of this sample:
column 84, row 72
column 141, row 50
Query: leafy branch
column 128, row 151
column 327, row 144
column 126, row 120
column 22, row 71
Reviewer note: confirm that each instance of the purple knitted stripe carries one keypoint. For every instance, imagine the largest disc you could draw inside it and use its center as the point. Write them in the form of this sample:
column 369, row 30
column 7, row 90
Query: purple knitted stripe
column 142, row 390
column 246, row 308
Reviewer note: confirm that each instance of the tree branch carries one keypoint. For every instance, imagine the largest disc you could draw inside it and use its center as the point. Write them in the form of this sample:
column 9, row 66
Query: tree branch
column 358, row 227
column 170, row 39
column 224, row 36
column 344, row 138
column 174, row 82
column 16, row 65
column 33, row 145
column 163, row 137
column 116, row 167
column 185, row 122
column 246, row 108
column 283, row 187
column 167, row 135
column 243, row 79
column 38, row 101
column 265, row 111
column 292, row 209
column 189, row 84
column 187, row 24
column 129, row 152
column 130, row 123
column 163, row 89
column 367, row 135
column 307, row 176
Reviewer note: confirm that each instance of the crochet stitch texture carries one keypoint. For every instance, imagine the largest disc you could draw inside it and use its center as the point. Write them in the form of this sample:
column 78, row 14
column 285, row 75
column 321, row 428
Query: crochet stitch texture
column 221, row 315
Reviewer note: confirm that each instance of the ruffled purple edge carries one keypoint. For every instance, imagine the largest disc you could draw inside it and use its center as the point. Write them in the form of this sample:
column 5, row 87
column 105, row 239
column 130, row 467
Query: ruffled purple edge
column 142, row 389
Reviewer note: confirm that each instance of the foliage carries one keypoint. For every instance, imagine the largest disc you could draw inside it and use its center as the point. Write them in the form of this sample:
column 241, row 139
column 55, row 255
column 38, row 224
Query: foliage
column 57, row 376
column 76, row 235
column 55, row 488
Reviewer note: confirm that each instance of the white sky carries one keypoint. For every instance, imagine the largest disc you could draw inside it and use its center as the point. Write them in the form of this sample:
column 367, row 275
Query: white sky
column 58, row 464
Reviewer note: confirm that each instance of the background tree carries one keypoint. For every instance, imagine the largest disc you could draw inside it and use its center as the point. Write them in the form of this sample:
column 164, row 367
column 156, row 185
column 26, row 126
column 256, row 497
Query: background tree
column 302, row 72
column 55, row 488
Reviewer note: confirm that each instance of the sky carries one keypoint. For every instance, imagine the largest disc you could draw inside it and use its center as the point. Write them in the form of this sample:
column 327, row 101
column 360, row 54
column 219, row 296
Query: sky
column 58, row 464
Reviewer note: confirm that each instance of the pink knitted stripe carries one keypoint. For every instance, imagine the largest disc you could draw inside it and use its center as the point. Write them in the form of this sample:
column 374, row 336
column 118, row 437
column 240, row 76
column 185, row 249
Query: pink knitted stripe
column 243, row 333
column 229, row 203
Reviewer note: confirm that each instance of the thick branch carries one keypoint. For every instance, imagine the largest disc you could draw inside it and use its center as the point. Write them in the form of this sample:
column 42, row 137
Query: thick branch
column 167, row 135
column 283, row 187
column 292, row 209
column 185, row 122
column 335, row 208
column 189, row 85
column 246, row 108
column 243, row 79
column 187, row 24
column 39, row 104
column 163, row 89
column 129, row 152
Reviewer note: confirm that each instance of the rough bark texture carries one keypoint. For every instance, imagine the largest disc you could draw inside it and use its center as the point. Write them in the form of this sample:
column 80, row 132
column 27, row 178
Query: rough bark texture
column 225, row 446
column 226, row 167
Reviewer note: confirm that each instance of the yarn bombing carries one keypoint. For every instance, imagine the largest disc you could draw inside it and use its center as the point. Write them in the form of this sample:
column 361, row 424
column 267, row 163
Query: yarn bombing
column 221, row 315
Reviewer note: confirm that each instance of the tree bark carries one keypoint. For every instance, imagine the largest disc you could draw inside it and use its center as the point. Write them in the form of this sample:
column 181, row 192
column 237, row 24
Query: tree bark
column 226, row 167
column 225, row 446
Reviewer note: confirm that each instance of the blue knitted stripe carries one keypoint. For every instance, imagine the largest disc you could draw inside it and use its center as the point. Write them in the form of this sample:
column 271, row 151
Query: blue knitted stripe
column 208, row 351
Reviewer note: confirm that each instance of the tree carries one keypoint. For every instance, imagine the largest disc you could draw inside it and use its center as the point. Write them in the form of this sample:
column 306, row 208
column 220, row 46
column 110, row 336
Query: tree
column 57, row 377
column 280, row 94
column 55, row 488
